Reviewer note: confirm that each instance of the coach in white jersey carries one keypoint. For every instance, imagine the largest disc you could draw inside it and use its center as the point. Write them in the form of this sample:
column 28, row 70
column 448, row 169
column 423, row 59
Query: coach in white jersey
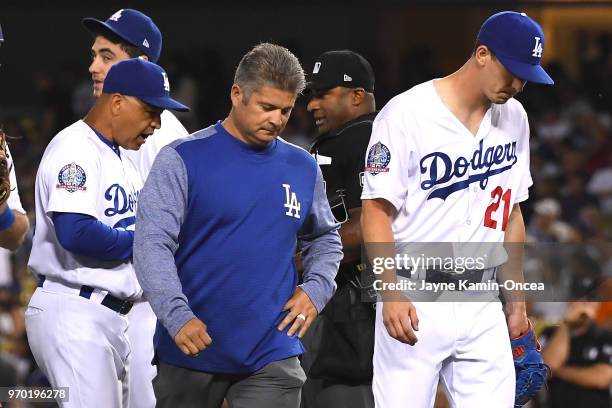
column 14, row 222
column 126, row 34
column 86, row 193
column 448, row 161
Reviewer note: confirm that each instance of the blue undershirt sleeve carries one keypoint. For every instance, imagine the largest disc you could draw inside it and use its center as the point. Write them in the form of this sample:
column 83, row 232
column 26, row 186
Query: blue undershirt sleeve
column 85, row 235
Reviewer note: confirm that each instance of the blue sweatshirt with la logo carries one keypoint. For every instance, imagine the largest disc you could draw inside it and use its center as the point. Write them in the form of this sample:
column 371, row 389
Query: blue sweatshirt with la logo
column 217, row 227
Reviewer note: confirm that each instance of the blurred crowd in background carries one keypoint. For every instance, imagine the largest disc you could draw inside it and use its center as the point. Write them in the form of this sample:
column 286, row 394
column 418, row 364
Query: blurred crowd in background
column 571, row 163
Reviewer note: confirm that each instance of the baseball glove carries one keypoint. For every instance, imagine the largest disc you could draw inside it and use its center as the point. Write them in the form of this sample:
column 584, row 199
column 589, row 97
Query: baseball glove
column 531, row 372
column 5, row 182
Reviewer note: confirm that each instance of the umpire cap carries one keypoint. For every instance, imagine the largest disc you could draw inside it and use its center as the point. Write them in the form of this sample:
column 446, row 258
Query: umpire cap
column 133, row 27
column 340, row 68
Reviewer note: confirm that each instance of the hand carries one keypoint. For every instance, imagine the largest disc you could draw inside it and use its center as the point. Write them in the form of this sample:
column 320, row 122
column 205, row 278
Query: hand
column 516, row 318
column 578, row 313
column 299, row 304
column 401, row 320
column 193, row 337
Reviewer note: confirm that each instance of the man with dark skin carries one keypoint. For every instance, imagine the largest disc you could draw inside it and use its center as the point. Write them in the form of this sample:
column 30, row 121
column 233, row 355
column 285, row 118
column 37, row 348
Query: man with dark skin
column 342, row 103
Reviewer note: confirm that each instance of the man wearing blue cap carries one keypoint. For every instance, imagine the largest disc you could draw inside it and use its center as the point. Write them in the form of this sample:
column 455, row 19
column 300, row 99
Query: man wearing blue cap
column 129, row 33
column 448, row 162
column 86, row 194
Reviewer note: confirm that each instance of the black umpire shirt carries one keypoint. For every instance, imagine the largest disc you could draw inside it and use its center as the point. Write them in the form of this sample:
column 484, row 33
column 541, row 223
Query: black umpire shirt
column 341, row 157
column 590, row 348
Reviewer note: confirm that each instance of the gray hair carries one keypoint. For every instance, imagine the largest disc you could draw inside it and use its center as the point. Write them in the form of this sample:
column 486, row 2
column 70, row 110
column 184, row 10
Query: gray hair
column 269, row 65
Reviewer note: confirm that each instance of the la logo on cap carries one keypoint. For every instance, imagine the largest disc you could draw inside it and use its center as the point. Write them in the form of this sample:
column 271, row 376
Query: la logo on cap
column 317, row 67
column 166, row 82
column 116, row 16
column 537, row 50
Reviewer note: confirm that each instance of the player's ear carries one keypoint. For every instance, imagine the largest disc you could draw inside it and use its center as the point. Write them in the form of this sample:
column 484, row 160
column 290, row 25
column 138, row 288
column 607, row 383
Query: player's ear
column 116, row 102
column 481, row 55
column 144, row 57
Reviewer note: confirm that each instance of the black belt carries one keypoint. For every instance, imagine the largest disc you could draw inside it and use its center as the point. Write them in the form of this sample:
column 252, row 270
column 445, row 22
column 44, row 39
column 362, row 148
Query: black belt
column 115, row 304
column 435, row 276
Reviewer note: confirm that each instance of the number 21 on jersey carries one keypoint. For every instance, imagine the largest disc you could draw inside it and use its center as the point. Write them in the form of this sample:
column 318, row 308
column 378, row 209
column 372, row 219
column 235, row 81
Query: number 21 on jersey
column 498, row 194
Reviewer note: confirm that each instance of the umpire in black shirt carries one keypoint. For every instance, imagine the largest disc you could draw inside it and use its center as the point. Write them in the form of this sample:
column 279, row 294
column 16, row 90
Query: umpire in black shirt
column 339, row 351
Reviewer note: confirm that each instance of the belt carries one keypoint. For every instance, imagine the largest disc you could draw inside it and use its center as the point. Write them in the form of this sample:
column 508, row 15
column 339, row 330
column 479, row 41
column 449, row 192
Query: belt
column 435, row 276
column 115, row 304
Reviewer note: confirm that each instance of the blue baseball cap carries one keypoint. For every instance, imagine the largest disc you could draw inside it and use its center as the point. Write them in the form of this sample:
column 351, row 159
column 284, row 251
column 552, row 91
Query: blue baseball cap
column 143, row 80
column 518, row 43
column 133, row 27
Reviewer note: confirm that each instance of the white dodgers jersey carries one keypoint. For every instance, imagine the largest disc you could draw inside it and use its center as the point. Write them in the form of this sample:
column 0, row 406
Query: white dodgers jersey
column 79, row 173
column 446, row 184
column 170, row 130
column 14, row 204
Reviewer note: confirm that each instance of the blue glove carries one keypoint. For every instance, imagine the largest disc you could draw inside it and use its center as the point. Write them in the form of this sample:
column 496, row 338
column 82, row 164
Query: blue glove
column 531, row 372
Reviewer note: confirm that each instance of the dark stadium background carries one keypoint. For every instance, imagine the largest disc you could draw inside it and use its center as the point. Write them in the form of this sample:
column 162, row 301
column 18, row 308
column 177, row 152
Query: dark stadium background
column 45, row 86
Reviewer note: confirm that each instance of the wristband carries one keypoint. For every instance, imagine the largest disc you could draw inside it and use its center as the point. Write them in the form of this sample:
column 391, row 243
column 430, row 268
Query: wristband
column 7, row 219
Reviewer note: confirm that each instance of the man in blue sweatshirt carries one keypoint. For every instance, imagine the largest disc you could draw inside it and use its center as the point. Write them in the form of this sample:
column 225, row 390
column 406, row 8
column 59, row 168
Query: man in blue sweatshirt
column 219, row 220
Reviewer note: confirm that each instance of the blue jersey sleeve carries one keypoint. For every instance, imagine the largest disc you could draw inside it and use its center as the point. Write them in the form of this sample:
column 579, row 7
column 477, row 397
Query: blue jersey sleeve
column 85, row 235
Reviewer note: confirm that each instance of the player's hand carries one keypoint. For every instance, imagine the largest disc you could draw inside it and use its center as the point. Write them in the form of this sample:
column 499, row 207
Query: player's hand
column 401, row 320
column 193, row 337
column 299, row 305
column 516, row 318
column 580, row 312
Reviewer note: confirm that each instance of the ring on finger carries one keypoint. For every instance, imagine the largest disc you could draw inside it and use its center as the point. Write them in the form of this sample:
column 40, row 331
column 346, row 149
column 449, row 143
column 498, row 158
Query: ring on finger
column 301, row 316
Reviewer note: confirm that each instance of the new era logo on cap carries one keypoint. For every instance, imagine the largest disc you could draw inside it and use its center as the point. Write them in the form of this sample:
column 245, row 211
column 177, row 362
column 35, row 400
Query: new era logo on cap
column 347, row 78
column 145, row 43
column 316, row 68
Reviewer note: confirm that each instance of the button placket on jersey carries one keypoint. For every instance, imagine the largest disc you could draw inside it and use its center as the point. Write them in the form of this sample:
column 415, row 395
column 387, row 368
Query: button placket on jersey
column 470, row 193
column 474, row 188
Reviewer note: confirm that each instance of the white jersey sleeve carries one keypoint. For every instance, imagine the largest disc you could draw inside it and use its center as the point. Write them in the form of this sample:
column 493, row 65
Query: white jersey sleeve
column 14, row 202
column 170, row 130
column 523, row 153
column 70, row 171
column 388, row 165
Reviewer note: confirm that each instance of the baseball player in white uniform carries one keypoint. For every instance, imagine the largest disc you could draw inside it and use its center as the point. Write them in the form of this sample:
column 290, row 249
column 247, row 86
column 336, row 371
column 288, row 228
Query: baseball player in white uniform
column 14, row 222
column 86, row 194
column 448, row 161
column 12, row 235
column 128, row 33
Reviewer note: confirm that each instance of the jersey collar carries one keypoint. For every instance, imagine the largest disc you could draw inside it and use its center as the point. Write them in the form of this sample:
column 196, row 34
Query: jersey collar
column 368, row 117
column 114, row 146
